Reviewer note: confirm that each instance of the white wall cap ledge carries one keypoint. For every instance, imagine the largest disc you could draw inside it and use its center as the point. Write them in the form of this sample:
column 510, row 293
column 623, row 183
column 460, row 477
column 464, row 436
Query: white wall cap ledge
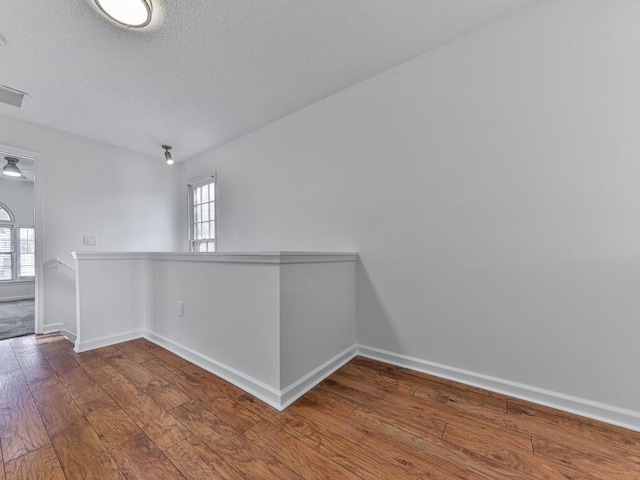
column 280, row 258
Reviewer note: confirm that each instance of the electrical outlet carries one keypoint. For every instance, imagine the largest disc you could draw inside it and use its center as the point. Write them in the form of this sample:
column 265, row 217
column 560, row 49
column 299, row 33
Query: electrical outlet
column 180, row 308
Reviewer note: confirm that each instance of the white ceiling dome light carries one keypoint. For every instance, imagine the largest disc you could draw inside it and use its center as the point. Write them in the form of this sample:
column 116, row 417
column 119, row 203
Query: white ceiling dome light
column 130, row 13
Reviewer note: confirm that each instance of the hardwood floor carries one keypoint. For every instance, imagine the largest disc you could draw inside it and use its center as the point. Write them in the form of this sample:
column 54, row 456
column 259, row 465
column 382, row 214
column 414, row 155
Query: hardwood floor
column 136, row 411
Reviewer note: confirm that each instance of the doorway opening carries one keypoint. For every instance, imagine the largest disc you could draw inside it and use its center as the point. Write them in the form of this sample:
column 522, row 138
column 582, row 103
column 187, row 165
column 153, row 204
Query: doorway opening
column 17, row 245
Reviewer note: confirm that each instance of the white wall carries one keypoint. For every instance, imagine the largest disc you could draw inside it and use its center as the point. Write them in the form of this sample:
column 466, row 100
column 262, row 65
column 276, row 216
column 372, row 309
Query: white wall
column 491, row 188
column 110, row 311
column 17, row 196
column 130, row 201
column 231, row 313
column 275, row 324
column 317, row 316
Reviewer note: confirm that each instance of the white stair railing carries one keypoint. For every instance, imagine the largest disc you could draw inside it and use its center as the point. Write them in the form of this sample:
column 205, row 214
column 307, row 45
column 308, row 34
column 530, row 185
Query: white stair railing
column 57, row 262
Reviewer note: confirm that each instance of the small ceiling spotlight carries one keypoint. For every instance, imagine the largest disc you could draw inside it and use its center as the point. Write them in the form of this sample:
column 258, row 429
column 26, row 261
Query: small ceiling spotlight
column 130, row 13
column 167, row 154
column 11, row 168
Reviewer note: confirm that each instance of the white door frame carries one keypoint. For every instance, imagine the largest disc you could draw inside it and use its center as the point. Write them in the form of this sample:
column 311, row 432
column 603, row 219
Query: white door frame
column 38, row 204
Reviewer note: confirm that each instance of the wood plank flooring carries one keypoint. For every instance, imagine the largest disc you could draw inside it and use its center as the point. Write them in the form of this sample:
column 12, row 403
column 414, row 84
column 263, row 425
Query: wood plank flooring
column 136, row 411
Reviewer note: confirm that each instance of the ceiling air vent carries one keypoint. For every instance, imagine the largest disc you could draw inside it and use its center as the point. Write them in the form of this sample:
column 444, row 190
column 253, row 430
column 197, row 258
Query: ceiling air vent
column 11, row 96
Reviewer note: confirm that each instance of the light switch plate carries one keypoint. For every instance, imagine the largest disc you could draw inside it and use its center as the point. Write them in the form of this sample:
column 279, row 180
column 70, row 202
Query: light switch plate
column 90, row 239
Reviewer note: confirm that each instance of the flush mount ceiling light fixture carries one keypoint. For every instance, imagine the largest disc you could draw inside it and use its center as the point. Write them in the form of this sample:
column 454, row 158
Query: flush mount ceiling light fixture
column 167, row 154
column 11, row 168
column 130, row 13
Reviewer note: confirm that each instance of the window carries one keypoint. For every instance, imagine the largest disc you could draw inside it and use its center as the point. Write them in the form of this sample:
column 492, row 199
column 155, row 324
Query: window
column 27, row 249
column 6, row 252
column 202, row 215
column 17, row 249
column 5, row 215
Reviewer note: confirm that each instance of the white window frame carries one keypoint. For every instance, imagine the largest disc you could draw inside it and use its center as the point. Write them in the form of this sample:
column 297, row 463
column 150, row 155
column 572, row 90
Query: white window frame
column 12, row 219
column 11, row 253
column 15, row 246
column 18, row 251
column 191, row 186
column 10, row 224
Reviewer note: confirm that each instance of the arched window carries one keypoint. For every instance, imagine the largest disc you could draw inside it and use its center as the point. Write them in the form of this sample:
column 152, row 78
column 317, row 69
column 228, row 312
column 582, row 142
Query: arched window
column 17, row 248
column 5, row 214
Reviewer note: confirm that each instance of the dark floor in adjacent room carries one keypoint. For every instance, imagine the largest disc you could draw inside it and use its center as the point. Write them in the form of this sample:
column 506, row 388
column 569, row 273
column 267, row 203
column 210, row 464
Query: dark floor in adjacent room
column 16, row 318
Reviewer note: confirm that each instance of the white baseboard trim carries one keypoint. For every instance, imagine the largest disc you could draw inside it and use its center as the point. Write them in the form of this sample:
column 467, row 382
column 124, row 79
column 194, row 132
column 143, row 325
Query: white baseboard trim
column 17, row 297
column 68, row 334
column 59, row 327
column 264, row 392
column 86, row 345
column 291, row 393
column 281, row 399
column 629, row 419
column 52, row 327
column 278, row 399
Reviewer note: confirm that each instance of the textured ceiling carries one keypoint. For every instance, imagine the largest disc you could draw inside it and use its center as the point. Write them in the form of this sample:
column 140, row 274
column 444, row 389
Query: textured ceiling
column 207, row 71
